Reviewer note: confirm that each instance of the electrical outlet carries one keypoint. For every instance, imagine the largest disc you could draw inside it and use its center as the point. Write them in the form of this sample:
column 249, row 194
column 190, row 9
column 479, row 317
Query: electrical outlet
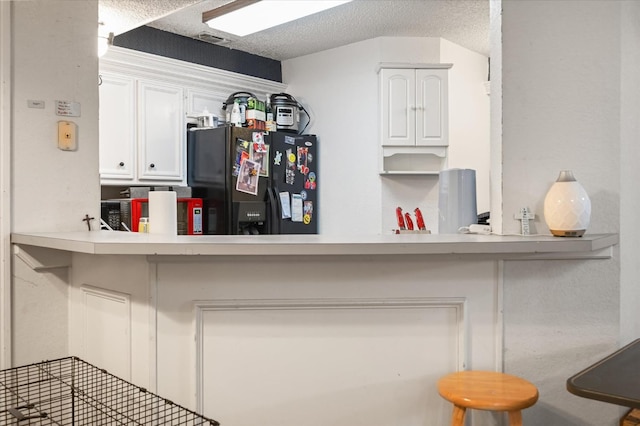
column 67, row 136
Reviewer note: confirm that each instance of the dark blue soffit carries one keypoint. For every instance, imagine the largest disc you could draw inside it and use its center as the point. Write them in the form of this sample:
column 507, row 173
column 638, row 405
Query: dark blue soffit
column 162, row 43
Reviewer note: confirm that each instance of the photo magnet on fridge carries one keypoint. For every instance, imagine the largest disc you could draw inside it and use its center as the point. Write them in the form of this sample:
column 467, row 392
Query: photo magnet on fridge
column 242, row 153
column 302, row 160
column 248, row 177
column 260, row 154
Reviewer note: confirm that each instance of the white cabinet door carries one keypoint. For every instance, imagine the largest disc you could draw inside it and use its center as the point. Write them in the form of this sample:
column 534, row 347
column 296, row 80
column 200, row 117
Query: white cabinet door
column 117, row 128
column 398, row 106
column 431, row 107
column 414, row 107
column 198, row 101
column 161, row 132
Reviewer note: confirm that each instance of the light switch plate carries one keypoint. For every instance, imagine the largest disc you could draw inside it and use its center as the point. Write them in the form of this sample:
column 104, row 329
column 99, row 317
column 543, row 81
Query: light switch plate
column 67, row 136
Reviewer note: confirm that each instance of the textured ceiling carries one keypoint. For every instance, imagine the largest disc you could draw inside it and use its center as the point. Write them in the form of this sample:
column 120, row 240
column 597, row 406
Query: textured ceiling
column 464, row 22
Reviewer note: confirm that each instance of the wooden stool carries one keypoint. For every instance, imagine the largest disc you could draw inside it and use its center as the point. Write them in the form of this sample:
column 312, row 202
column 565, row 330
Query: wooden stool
column 487, row 390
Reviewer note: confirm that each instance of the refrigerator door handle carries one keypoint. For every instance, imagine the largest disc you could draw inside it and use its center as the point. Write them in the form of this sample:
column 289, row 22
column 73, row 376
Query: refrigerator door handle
column 274, row 221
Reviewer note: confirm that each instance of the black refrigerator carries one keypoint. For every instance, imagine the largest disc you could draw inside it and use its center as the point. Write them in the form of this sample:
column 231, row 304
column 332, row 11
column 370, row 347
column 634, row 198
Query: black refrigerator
column 254, row 182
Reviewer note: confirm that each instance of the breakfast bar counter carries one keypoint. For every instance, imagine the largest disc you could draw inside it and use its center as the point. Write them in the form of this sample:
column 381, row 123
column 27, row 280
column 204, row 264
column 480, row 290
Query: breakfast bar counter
column 520, row 247
column 281, row 329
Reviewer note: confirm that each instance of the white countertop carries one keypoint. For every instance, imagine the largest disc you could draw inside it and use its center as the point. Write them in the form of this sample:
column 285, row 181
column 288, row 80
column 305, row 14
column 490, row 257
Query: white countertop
column 507, row 247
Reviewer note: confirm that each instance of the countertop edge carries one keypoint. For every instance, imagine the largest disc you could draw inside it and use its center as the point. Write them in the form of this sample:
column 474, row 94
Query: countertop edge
column 507, row 247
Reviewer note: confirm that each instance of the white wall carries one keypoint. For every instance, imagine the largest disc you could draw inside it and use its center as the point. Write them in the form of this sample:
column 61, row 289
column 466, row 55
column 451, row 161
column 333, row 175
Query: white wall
column 340, row 86
column 54, row 58
column 495, row 113
column 629, row 173
column 561, row 110
column 5, row 184
column 469, row 120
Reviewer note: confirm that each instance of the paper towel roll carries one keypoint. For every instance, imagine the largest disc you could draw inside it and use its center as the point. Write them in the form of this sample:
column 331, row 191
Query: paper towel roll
column 163, row 213
column 457, row 200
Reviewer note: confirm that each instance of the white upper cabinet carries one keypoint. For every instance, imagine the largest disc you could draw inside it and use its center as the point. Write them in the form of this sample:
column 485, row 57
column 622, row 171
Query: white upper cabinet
column 432, row 107
column 414, row 117
column 117, row 127
column 161, row 132
column 414, row 107
column 142, row 136
column 200, row 100
column 146, row 102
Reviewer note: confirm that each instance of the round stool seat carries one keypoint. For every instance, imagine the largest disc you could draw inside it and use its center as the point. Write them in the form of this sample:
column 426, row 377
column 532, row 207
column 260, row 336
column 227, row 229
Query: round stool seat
column 487, row 390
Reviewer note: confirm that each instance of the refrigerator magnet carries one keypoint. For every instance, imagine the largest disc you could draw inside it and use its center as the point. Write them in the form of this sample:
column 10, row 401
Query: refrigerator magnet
column 307, row 212
column 260, row 154
column 258, row 137
column 310, row 183
column 302, row 160
column 290, row 170
column 296, row 208
column 289, row 177
column 277, row 159
column 242, row 153
column 259, row 147
column 285, row 204
column 248, row 177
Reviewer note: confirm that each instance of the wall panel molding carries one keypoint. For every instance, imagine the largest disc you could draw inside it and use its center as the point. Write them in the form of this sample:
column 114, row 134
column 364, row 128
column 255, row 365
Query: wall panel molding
column 106, row 317
column 232, row 317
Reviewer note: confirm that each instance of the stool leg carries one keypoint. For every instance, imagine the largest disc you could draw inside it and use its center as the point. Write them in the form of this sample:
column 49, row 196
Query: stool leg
column 457, row 419
column 515, row 418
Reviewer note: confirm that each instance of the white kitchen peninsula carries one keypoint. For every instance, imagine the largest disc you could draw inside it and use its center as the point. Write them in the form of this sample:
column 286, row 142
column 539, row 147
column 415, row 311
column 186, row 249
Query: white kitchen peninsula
column 293, row 330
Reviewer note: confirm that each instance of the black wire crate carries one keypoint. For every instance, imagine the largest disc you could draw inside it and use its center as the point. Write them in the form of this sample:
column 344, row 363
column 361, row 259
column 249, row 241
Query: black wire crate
column 70, row 391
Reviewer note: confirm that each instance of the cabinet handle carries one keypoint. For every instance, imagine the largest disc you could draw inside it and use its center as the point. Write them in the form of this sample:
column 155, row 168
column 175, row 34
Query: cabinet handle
column 152, row 165
column 412, row 107
column 121, row 164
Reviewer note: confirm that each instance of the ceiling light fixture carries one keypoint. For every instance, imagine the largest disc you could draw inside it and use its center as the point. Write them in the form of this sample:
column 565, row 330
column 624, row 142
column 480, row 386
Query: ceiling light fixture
column 243, row 17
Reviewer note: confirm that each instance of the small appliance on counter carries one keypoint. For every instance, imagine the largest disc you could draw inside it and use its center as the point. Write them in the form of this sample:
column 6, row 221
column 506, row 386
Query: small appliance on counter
column 125, row 214
column 143, row 191
column 457, row 206
column 239, row 101
column 286, row 113
column 280, row 112
column 205, row 119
